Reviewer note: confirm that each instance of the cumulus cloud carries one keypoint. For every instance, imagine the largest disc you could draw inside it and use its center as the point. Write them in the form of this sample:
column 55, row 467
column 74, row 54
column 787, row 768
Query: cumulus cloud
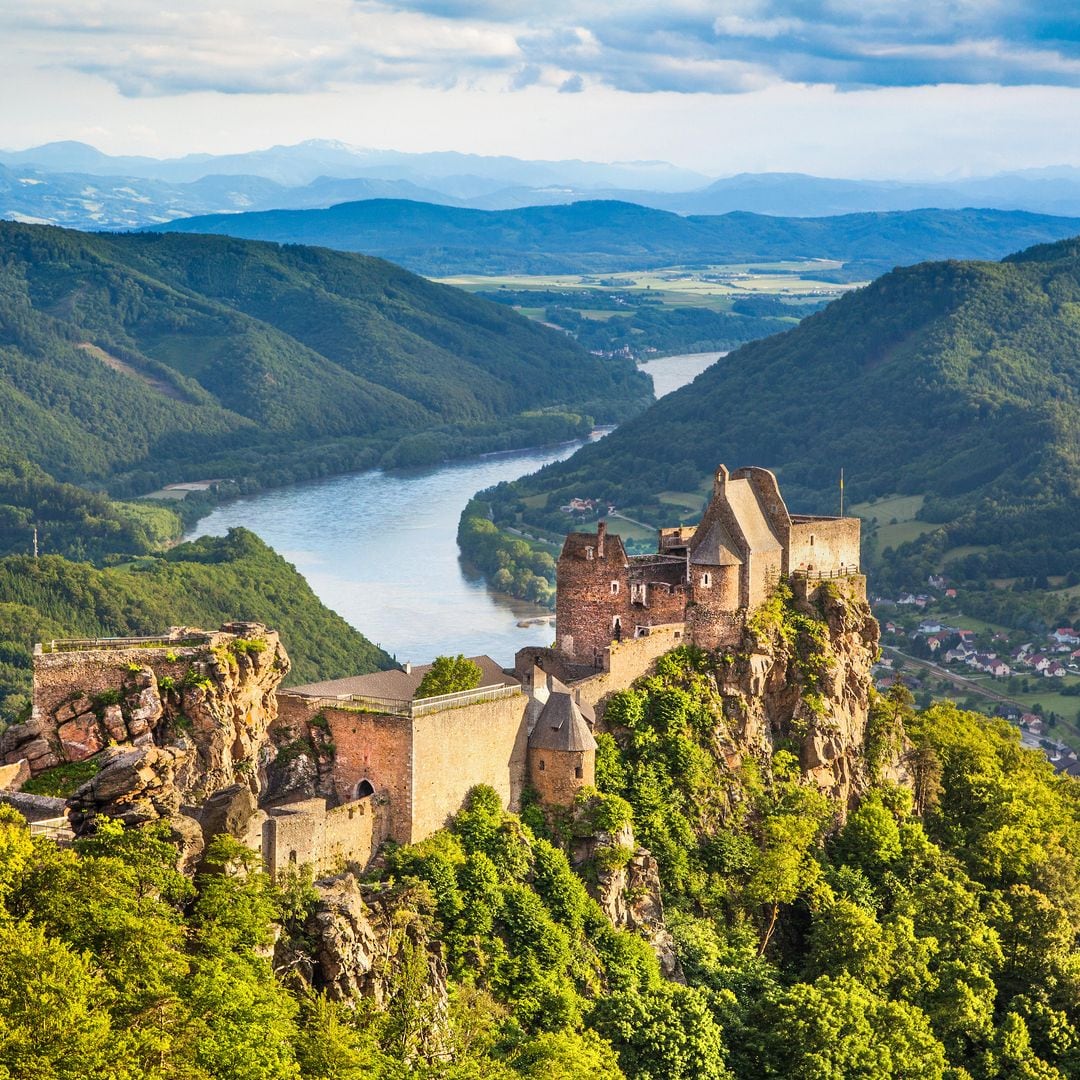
column 682, row 46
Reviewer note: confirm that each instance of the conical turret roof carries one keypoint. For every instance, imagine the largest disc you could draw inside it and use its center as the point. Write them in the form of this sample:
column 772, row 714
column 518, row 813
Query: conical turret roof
column 561, row 726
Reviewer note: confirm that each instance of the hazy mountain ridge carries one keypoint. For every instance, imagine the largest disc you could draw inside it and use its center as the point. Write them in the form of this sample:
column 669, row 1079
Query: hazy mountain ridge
column 47, row 184
column 599, row 236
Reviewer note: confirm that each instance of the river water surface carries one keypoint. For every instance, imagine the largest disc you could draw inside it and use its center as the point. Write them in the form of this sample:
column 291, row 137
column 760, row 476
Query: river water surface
column 380, row 548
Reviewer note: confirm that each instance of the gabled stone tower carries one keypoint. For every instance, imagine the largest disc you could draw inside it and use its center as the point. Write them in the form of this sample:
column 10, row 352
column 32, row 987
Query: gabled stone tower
column 562, row 750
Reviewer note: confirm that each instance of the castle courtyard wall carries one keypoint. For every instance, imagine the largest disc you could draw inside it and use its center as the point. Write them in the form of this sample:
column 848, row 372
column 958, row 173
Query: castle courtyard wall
column 456, row 749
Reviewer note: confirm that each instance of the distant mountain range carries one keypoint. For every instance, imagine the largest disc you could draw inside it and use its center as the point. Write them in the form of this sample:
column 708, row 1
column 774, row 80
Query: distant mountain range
column 605, row 236
column 71, row 183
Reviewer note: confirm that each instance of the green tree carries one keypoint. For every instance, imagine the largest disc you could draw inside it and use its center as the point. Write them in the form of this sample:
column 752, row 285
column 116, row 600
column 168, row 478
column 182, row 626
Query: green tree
column 448, row 675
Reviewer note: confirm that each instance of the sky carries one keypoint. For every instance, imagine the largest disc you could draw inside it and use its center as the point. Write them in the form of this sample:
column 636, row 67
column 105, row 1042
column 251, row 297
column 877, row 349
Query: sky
column 861, row 88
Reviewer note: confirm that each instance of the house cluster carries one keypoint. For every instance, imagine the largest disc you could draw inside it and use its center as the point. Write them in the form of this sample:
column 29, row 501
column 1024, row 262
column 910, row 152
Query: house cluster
column 1055, row 658
column 584, row 507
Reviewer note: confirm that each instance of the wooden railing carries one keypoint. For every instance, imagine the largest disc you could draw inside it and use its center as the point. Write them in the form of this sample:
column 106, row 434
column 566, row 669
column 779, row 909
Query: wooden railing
column 156, row 642
column 826, row 575
column 408, row 708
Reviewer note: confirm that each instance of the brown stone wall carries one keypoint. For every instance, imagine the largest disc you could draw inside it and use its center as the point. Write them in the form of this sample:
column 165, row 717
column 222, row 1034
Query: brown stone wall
column 558, row 775
column 306, row 833
column 824, row 545
column 456, row 749
column 378, row 749
column 764, row 573
column 714, row 619
column 664, row 604
column 585, row 605
column 623, row 662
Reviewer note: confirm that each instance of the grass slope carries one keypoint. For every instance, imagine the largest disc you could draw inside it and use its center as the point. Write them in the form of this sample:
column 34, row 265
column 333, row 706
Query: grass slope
column 598, row 236
column 959, row 381
column 132, row 359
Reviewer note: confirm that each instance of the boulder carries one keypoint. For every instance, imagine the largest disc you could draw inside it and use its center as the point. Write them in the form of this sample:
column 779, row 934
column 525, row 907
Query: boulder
column 113, row 719
column 80, row 738
column 228, row 811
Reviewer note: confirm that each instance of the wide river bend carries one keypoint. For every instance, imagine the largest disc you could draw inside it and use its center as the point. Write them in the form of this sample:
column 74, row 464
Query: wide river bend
column 380, row 548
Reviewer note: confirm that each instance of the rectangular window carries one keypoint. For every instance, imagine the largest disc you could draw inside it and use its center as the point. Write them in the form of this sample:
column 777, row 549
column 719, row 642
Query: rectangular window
column 614, row 588
column 543, row 766
column 589, row 552
column 579, row 772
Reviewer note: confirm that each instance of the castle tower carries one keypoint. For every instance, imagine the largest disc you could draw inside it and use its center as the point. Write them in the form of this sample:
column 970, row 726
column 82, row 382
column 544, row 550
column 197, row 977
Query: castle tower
column 562, row 750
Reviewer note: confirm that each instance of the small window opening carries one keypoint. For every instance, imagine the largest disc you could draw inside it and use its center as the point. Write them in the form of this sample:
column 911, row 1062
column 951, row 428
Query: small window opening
column 543, row 765
column 706, row 580
column 292, row 856
column 579, row 772
column 589, row 552
column 364, row 789
column 811, row 539
column 614, row 588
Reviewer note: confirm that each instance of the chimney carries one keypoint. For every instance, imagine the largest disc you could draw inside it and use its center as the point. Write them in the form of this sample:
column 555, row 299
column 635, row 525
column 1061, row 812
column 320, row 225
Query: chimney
column 601, row 533
column 407, row 668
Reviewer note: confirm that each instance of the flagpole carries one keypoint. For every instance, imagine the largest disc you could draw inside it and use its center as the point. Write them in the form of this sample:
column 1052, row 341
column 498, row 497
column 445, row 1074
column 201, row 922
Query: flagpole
column 841, row 492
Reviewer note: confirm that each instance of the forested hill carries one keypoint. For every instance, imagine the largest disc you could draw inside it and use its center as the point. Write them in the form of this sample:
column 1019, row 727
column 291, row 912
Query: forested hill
column 137, row 359
column 956, row 380
column 599, row 236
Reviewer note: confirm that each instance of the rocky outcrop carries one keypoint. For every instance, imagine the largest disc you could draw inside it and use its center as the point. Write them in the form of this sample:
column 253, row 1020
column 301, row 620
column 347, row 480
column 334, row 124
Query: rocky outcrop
column 625, row 881
column 803, row 678
column 172, row 728
column 355, row 944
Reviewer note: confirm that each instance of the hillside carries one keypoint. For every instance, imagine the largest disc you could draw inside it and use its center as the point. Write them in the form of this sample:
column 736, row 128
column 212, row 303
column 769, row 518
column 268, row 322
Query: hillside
column 203, row 583
column 132, row 360
column 959, row 381
column 599, row 236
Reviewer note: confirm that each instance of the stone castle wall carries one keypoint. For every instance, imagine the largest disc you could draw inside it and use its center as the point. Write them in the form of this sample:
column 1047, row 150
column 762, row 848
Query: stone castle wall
column 456, row 749
column 824, row 545
column 558, row 776
column 307, row 832
column 420, row 768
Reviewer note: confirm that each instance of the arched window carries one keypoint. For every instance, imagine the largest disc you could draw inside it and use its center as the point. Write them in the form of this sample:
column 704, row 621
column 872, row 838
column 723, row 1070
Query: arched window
column 706, row 579
column 364, row 789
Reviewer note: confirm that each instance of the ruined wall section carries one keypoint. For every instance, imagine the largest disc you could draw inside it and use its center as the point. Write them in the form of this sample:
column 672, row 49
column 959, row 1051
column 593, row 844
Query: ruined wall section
column 213, row 692
column 325, row 839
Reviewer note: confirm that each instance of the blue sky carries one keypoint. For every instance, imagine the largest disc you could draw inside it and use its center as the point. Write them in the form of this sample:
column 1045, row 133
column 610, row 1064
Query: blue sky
column 845, row 87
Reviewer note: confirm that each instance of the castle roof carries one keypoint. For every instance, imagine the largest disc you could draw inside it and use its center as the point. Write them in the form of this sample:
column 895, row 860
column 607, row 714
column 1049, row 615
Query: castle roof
column 715, row 548
column 397, row 685
column 561, row 726
column 751, row 517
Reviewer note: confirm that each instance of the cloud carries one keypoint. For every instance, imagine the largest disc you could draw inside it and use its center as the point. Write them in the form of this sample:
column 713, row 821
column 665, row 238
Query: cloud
column 680, row 46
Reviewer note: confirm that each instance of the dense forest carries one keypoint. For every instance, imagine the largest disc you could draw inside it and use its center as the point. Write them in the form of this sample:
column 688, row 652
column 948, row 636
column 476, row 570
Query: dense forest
column 599, row 236
column 931, row 933
column 959, row 381
column 133, row 360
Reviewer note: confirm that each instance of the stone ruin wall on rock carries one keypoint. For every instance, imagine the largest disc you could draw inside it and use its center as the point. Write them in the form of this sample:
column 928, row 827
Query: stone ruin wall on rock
column 419, row 767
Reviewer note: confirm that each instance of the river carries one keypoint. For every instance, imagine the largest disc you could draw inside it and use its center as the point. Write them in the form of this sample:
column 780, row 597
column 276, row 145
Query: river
column 380, row 548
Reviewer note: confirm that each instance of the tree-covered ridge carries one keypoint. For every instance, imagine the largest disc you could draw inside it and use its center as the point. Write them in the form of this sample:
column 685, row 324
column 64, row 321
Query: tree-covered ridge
column 931, row 933
column 132, row 359
column 957, row 380
column 202, row 583
column 597, row 236
column 74, row 522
